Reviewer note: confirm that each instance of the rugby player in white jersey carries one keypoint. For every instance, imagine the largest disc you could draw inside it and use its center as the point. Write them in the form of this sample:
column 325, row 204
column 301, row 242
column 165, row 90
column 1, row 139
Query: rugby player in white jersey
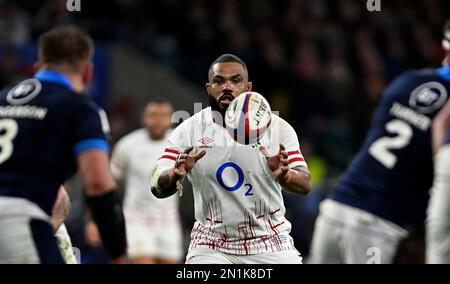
column 239, row 208
column 153, row 225
column 438, row 212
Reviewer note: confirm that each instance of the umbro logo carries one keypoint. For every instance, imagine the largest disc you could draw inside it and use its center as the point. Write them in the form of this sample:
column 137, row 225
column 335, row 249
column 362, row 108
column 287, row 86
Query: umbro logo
column 205, row 141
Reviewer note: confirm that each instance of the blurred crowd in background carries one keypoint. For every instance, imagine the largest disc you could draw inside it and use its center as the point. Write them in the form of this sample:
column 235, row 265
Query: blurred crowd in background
column 322, row 64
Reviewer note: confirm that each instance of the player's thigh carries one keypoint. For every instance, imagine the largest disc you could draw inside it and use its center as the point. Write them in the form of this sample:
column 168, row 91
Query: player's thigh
column 207, row 256
column 372, row 240
column 45, row 242
column 169, row 243
column 326, row 241
column 16, row 241
column 25, row 240
column 142, row 241
column 438, row 249
column 280, row 257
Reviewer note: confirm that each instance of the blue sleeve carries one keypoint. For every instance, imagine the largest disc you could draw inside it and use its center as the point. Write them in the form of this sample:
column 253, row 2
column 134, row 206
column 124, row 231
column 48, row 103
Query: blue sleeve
column 403, row 84
column 90, row 129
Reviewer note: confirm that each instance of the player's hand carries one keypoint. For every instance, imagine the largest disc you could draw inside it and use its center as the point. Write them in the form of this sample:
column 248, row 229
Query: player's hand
column 278, row 164
column 185, row 162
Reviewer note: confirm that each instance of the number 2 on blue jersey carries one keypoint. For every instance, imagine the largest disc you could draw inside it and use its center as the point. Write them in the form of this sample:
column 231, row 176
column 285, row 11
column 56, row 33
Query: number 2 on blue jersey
column 381, row 148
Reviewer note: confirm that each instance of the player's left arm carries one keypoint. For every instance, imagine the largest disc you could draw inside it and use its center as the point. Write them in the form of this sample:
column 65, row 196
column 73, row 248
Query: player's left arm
column 295, row 179
column 90, row 129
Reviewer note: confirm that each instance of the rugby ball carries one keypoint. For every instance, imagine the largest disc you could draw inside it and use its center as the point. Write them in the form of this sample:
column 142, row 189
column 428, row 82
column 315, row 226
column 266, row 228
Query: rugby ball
column 248, row 117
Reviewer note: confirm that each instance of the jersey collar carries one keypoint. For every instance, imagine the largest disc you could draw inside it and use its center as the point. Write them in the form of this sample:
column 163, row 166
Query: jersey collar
column 52, row 76
column 208, row 118
column 444, row 72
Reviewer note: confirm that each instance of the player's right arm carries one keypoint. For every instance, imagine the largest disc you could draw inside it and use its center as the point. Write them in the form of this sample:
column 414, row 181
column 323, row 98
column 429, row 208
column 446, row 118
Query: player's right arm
column 438, row 222
column 92, row 154
column 174, row 164
column 119, row 160
column 440, row 128
column 166, row 181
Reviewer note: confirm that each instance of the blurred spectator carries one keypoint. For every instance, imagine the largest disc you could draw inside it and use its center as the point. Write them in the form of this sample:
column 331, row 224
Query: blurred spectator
column 14, row 26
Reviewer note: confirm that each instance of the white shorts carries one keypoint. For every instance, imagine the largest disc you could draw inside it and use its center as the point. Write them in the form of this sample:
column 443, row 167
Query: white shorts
column 344, row 234
column 26, row 235
column 210, row 256
column 154, row 241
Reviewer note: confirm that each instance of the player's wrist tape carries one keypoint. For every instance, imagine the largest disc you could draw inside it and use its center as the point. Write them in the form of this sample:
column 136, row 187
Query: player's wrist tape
column 107, row 213
column 156, row 189
column 179, row 188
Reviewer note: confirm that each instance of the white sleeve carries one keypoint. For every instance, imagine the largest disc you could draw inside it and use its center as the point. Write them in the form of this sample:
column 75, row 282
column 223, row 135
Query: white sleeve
column 438, row 222
column 175, row 146
column 119, row 160
column 288, row 137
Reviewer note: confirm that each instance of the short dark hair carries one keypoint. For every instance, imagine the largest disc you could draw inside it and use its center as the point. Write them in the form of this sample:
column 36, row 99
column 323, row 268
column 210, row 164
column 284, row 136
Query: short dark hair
column 65, row 46
column 446, row 39
column 159, row 102
column 225, row 58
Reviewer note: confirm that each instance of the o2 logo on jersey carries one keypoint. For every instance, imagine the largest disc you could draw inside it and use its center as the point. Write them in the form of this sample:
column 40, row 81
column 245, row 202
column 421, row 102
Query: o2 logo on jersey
column 24, row 92
column 428, row 97
column 229, row 170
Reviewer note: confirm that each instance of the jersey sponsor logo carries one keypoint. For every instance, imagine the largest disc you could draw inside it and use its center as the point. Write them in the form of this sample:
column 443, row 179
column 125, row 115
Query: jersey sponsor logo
column 24, row 92
column 428, row 97
column 240, row 178
column 239, row 172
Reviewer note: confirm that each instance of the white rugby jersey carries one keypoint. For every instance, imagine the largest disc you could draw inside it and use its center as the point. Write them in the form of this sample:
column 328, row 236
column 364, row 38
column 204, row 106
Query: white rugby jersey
column 132, row 158
column 239, row 208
